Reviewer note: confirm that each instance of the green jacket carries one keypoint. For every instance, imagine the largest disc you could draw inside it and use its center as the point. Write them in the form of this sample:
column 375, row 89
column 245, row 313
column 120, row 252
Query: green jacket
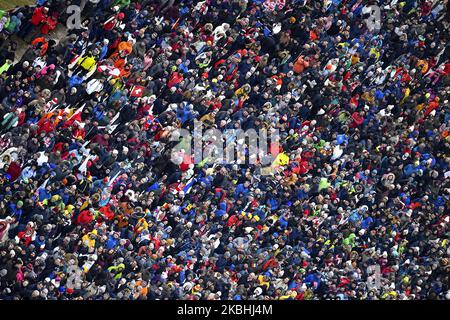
column 5, row 67
column 121, row 3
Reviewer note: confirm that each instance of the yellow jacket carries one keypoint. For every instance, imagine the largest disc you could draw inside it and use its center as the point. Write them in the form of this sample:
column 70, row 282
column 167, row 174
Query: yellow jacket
column 87, row 241
column 88, row 63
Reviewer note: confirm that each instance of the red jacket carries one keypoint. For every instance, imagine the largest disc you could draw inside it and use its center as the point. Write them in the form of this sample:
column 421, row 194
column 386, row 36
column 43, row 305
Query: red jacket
column 14, row 170
column 357, row 120
column 175, row 79
column 46, row 126
column 85, row 217
column 26, row 235
column 38, row 16
column 447, row 69
column 49, row 24
column 107, row 212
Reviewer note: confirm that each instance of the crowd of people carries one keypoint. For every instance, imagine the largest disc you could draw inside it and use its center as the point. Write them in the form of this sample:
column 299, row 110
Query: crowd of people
column 93, row 207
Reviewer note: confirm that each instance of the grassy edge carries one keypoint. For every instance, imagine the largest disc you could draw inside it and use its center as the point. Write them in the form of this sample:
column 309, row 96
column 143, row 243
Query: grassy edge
column 11, row 4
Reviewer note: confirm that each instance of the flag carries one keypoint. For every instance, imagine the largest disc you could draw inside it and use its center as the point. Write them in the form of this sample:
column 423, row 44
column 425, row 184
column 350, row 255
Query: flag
column 137, row 91
column 51, row 105
column 77, row 114
column 176, row 24
column 75, row 117
column 187, row 188
column 112, row 71
column 113, row 179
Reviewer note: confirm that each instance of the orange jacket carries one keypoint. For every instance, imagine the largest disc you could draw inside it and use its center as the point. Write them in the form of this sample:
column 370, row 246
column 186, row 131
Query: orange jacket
column 119, row 62
column 125, row 46
column 42, row 40
column 300, row 65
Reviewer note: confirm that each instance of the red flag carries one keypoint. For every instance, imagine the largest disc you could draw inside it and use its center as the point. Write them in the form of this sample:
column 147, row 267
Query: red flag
column 137, row 91
column 75, row 117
